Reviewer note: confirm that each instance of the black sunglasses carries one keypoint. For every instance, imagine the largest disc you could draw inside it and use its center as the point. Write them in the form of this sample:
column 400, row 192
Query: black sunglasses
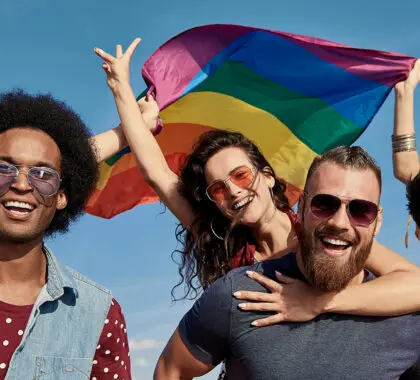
column 359, row 211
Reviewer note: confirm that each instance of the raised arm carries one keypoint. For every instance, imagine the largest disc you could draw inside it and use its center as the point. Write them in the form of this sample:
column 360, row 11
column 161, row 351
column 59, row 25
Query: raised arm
column 112, row 141
column 404, row 156
column 109, row 143
column 177, row 363
column 149, row 156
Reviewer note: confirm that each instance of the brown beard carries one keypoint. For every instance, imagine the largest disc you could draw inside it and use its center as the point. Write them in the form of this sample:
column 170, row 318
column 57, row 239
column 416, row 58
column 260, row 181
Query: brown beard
column 327, row 273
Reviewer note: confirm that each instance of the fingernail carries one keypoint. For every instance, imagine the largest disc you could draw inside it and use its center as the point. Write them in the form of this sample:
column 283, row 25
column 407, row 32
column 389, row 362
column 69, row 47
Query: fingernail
column 237, row 294
column 255, row 323
column 278, row 273
column 249, row 273
column 242, row 305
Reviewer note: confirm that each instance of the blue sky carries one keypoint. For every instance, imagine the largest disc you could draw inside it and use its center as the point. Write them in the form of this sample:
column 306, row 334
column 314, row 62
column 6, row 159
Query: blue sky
column 47, row 46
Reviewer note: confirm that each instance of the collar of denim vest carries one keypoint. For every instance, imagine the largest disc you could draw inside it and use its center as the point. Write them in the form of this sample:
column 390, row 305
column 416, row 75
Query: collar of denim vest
column 59, row 279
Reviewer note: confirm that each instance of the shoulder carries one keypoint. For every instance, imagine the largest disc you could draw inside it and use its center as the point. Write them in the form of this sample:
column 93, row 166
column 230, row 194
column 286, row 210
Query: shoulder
column 86, row 282
column 115, row 321
column 286, row 265
column 112, row 351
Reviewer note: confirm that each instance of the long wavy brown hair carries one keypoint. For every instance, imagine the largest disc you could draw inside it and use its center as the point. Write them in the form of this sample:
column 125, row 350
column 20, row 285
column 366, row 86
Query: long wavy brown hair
column 203, row 256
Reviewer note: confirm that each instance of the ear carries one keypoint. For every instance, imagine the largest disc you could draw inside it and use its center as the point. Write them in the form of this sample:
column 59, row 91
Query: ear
column 300, row 208
column 269, row 176
column 61, row 200
column 378, row 221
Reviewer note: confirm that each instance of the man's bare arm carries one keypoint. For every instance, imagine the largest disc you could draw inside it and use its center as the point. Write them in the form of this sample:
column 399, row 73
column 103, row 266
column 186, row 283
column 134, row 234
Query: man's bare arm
column 177, row 363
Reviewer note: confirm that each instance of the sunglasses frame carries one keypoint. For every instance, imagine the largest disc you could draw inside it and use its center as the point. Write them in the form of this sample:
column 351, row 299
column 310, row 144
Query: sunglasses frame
column 347, row 202
column 26, row 172
column 228, row 178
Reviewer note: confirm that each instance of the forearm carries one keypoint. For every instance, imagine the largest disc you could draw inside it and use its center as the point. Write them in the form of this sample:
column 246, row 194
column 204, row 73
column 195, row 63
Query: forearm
column 396, row 293
column 148, row 154
column 406, row 164
column 109, row 143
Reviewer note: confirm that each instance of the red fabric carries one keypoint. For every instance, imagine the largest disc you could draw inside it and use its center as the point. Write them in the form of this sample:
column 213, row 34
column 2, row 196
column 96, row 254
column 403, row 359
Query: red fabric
column 245, row 256
column 112, row 358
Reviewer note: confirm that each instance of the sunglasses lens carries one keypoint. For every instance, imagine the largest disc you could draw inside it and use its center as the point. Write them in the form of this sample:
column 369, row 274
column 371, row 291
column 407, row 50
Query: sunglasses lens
column 363, row 212
column 242, row 177
column 324, row 206
column 217, row 191
column 45, row 180
column 7, row 176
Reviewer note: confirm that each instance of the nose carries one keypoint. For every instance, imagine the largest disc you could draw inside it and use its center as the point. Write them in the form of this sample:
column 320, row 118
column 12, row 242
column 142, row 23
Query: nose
column 22, row 184
column 233, row 189
column 340, row 219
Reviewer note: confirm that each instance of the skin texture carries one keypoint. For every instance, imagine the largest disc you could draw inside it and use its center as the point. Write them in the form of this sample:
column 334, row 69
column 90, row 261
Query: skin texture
column 328, row 269
column 262, row 208
column 22, row 262
column 25, row 146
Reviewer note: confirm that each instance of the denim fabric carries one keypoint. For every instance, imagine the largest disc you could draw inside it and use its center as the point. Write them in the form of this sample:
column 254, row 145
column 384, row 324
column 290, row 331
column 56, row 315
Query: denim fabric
column 64, row 327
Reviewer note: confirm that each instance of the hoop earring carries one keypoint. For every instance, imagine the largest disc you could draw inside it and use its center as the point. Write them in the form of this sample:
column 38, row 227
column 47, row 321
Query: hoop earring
column 214, row 232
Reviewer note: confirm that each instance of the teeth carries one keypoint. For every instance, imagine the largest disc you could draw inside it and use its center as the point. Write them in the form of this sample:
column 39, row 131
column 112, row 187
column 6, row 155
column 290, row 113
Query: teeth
column 335, row 241
column 24, row 205
column 242, row 203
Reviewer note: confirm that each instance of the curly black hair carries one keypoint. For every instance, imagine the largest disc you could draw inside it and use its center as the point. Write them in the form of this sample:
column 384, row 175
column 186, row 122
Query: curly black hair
column 413, row 197
column 65, row 127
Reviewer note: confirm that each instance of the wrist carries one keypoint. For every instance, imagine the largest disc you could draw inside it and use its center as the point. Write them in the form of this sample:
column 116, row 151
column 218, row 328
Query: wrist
column 158, row 128
column 404, row 92
column 121, row 89
column 329, row 304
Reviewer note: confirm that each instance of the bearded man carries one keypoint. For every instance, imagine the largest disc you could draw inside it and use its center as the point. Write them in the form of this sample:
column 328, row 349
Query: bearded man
column 340, row 215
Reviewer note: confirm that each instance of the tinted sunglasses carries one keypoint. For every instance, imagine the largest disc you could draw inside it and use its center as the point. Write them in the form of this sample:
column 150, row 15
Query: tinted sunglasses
column 242, row 177
column 359, row 211
column 45, row 180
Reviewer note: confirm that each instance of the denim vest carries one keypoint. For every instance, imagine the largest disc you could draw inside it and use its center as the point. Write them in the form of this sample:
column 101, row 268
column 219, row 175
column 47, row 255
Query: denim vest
column 63, row 329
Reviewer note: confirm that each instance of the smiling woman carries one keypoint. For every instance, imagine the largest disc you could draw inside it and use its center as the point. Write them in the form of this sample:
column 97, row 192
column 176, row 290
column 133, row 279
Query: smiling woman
column 220, row 228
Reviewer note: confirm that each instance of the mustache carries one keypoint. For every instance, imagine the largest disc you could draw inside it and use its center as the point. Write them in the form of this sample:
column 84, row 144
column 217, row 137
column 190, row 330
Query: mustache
column 342, row 233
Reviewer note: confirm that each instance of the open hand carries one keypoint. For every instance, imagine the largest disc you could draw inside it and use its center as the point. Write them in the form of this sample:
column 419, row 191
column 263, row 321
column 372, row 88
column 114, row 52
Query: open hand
column 117, row 68
column 290, row 298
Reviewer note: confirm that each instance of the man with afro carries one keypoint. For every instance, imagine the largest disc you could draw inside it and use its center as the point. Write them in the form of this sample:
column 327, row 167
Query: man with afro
column 54, row 322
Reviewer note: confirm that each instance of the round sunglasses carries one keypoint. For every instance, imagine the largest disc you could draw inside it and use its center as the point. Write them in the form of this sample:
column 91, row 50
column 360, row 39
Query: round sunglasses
column 45, row 180
column 359, row 211
column 242, row 177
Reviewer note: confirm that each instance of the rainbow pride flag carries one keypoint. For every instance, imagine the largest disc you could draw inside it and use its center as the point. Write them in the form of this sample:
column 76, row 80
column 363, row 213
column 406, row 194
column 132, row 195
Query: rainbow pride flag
column 294, row 96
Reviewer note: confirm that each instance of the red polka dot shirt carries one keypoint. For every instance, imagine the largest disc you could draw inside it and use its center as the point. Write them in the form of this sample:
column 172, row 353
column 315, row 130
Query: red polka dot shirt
column 112, row 357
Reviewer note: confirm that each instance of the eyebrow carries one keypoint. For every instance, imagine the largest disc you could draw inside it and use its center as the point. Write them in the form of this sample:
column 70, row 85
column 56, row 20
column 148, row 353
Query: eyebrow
column 230, row 173
column 10, row 160
column 238, row 167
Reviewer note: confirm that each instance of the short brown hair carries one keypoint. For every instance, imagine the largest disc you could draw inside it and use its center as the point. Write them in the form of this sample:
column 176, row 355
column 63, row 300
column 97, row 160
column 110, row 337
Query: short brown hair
column 347, row 157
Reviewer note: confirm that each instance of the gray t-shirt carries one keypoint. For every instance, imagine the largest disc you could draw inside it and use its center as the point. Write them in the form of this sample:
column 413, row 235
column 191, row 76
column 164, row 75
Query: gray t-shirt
column 332, row 346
